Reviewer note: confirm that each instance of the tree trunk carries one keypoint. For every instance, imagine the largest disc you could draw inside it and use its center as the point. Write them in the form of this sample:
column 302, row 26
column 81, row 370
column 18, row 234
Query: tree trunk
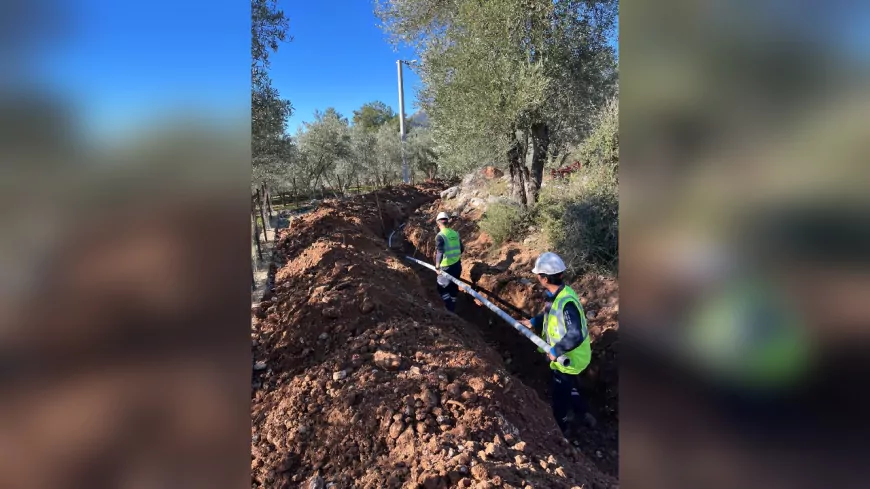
column 268, row 196
column 284, row 199
column 381, row 215
column 256, row 236
column 331, row 186
column 263, row 216
column 560, row 161
column 264, row 199
column 540, row 145
column 295, row 196
column 518, row 172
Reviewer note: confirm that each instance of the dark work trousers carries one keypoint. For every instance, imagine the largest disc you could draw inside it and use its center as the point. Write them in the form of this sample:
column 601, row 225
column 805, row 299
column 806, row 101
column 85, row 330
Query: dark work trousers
column 565, row 398
column 448, row 294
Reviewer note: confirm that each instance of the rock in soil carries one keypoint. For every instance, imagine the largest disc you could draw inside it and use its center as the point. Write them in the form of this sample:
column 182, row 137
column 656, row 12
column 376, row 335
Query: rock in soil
column 332, row 313
column 450, row 193
column 315, row 482
column 387, row 360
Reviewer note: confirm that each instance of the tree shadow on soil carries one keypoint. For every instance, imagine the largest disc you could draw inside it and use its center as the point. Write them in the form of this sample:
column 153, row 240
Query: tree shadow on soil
column 480, row 268
column 508, row 261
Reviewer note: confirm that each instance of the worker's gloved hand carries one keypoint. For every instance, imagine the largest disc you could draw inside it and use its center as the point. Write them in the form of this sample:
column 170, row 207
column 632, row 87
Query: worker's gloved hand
column 442, row 279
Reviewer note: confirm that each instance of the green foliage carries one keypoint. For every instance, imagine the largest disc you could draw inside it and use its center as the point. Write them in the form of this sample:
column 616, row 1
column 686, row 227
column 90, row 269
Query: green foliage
column 364, row 149
column 276, row 167
column 326, row 144
column 493, row 70
column 602, row 145
column 269, row 112
column 373, row 115
column 581, row 219
column 330, row 152
column 388, row 153
column 497, row 187
column 502, row 222
column 268, row 29
column 420, row 152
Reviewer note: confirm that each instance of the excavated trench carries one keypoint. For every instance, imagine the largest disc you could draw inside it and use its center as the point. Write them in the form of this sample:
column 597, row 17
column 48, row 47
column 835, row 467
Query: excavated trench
column 523, row 361
column 361, row 379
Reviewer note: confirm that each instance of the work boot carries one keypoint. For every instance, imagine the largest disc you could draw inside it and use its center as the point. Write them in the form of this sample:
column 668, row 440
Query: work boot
column 565, row 427
column 590, row 420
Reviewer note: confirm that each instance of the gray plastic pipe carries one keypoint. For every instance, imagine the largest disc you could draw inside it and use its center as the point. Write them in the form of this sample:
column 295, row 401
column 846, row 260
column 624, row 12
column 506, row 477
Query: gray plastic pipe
column 540, row 343
column 390, row 240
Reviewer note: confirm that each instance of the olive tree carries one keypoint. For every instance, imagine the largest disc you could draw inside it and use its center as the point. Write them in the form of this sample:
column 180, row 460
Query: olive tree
column 511, row 81
column 326, row 143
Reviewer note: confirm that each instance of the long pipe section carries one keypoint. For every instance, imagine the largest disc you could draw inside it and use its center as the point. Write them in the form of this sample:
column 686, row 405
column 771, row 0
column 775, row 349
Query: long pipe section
column 562, row 360
column 505, row 303
column 498, row 299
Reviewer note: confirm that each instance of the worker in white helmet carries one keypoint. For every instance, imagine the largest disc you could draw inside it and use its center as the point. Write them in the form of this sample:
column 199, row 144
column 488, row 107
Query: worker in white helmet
column 563, row 326
column 448, row 259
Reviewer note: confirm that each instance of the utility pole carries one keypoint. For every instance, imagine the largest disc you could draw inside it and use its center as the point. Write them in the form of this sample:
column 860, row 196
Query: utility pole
column 405, row 175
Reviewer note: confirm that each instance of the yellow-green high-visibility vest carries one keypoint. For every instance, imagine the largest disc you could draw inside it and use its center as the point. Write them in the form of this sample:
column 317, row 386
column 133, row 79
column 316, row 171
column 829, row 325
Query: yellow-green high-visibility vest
column 451, row 247
column 770, row 350
column 554, row 331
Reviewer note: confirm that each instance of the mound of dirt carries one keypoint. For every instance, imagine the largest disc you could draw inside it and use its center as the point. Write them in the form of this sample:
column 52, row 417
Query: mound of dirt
column 504, row 275
column 362, row 379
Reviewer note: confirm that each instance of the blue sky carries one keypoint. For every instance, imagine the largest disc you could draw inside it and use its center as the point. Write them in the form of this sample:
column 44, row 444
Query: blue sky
column 343, row 63
column 123, row 63
column 128, row 61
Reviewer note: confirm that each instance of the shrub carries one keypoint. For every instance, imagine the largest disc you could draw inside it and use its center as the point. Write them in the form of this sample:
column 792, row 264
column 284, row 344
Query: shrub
column 581, row 219
column 601, row 147
column 497, row 187
column 502, row 222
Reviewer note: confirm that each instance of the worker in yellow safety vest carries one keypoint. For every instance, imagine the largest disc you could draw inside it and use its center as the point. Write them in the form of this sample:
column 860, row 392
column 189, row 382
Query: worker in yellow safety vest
column 563, row 326
column 754, row 347
column 448, row 259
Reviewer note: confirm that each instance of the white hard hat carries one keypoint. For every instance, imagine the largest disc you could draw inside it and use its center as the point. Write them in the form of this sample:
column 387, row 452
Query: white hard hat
column 442, row 215
column 549, row 264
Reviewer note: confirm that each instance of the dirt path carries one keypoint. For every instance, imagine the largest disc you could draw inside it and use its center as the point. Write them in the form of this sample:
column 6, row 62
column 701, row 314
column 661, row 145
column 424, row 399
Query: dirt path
column 263, row 268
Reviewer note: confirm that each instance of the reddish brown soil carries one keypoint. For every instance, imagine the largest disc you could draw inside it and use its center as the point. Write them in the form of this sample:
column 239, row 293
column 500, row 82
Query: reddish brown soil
column 506, row 272
column 368, row 382
column 491, row 172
